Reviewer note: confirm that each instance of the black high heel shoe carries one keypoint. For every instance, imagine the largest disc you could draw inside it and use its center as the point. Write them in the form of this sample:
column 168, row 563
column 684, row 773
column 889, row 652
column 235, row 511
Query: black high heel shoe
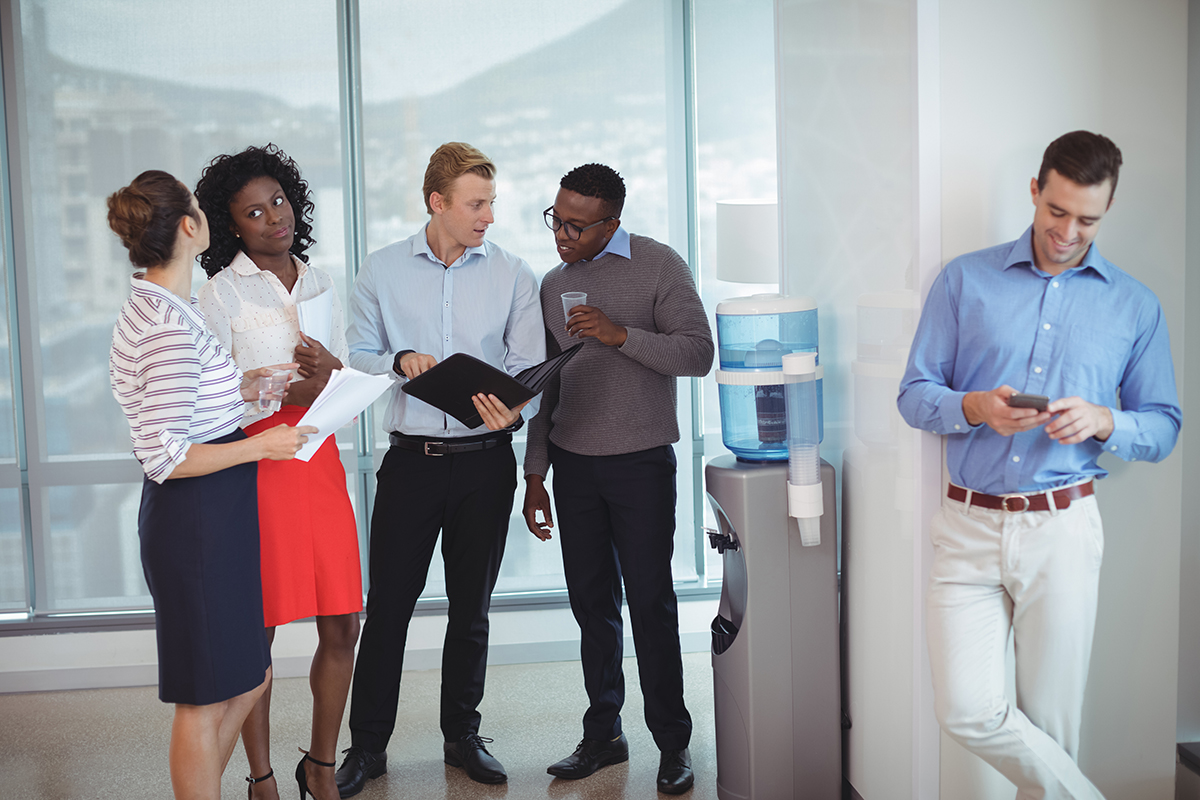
column 302, row 776
column 252, row 781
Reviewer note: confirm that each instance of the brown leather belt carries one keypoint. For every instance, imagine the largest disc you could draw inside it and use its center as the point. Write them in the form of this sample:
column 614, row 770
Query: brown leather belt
column 1023, row 502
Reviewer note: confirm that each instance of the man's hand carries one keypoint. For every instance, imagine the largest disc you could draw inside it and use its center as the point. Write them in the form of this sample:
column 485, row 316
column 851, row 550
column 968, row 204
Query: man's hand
column 314, row 359
column 495, row 414
column 589, row 321
column 413, row 364
column 992, row 408
column 1078, row 420
column 538, row 499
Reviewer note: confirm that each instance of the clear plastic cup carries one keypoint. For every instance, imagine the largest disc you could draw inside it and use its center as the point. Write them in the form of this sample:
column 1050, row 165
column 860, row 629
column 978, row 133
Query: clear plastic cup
column 569, row 301
column 270, row 390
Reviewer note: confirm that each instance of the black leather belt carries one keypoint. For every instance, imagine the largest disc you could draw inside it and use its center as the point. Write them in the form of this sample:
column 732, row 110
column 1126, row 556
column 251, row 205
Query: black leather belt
column 1023, row 502
column 443, row 447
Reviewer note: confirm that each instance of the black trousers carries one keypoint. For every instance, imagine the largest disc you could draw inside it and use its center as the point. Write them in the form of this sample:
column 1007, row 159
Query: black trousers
column 616, row 517
column 468, row 497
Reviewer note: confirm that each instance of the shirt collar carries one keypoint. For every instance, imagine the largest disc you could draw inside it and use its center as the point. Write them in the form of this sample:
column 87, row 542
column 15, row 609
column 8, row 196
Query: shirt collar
column 242, row 264
column 421, row 246
column 151, row 289
column 618, row 245
column 1022, row 253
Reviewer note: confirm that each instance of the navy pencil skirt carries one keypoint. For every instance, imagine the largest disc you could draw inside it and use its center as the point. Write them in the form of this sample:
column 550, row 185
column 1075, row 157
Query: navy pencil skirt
column 200, row 555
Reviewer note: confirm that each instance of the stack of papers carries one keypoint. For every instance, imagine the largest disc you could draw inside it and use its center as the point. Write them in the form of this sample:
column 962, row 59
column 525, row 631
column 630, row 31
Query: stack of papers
column 315, row 316
column 347, row 393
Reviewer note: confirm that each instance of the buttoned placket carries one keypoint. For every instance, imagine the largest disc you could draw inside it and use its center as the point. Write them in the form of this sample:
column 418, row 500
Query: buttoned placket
column 1049, row 331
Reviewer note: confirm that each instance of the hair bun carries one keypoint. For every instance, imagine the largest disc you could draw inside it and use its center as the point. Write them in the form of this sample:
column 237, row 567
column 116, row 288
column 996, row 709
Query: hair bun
column 130, row 213
column 146, row 214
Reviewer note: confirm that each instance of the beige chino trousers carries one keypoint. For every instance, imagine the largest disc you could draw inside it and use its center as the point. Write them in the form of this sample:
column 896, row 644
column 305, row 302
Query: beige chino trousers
column 1035, row 573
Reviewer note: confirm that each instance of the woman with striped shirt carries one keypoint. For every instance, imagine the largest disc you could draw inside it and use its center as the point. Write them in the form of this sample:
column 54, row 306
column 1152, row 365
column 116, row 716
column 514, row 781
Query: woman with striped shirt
column 198, row 523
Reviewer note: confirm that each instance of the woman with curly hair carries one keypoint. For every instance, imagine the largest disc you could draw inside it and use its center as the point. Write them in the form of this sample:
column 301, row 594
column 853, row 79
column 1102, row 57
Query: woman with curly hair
column 184, row 397
column 260, row 214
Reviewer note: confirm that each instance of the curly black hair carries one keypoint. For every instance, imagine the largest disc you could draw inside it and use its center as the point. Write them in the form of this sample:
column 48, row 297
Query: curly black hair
column 597, row 180
column 225, row 176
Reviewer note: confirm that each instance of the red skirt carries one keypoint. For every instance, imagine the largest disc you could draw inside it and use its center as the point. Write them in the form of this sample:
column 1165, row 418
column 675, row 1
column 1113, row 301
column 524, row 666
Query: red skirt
column 310, row 563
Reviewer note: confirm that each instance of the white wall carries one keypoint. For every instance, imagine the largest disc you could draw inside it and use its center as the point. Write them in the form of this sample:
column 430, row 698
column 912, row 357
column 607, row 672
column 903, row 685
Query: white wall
column 1188, row 723
column 864, row 124
column 1015, row 76
column 849, row 187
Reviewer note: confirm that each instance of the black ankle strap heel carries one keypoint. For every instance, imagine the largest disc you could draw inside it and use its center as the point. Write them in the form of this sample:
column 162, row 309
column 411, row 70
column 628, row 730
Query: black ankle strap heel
column 302, row 776
column 252, row 781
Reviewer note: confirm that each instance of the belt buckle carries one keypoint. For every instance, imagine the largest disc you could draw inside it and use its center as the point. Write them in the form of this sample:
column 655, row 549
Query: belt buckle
column 1023, row 498
column 426, row 448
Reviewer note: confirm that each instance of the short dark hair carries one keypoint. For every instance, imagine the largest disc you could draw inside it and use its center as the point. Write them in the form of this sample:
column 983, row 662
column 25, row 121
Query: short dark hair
column 597, row 180
column 146, row 215
column 1086, row 158
column 227, row 175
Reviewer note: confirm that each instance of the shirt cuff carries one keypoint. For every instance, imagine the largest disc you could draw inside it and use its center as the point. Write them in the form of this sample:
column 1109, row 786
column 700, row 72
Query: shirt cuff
column 1120, row 441
column 635, row 343
column 173, row 453
column 951, row 416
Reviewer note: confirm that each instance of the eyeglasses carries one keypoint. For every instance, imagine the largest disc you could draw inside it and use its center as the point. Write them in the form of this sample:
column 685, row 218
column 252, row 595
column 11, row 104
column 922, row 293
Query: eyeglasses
column 573, row 231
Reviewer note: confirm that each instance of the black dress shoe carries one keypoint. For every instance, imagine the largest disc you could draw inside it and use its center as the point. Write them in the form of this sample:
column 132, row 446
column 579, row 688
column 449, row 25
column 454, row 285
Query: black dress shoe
column 589, row 756
column 470, row 754
column 675, row 771
column 357, row 768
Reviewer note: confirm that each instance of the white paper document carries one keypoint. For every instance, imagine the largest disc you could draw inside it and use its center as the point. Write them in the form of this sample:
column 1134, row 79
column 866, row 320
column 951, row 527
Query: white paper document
column 315, row 316
column 347, row 393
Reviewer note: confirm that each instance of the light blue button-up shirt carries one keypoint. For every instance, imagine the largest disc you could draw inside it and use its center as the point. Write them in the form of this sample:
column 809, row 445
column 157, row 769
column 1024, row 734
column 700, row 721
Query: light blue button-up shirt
column 993, row 318
column 485, row 304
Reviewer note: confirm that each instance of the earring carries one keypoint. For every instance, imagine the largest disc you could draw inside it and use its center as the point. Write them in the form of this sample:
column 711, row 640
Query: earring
column 238, row 235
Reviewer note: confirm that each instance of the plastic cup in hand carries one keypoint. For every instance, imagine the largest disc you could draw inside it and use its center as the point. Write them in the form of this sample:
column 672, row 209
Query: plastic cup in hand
column 270, row 390
column 570, row 300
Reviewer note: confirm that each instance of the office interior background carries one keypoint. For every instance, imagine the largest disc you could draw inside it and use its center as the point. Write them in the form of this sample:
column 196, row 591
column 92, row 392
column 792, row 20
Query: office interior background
column 896, row 135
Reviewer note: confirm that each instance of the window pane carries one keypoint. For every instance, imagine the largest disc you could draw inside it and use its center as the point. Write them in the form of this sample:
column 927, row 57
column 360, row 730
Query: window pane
column 93, row 553
column 540, row 89
column 735, row 155
column 12, row 552
column 114, row 88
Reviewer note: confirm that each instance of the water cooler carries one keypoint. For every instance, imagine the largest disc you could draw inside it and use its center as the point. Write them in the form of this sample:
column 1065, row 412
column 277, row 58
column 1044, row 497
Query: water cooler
column 776, row 664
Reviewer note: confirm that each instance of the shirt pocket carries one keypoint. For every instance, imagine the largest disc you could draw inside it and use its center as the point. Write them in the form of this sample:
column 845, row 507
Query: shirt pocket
column 1094, row 362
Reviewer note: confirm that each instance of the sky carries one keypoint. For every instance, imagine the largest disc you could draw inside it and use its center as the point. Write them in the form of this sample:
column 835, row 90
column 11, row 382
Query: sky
column 410, row 47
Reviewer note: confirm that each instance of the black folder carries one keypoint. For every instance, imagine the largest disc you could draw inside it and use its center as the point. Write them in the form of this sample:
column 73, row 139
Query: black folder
column 450, row 385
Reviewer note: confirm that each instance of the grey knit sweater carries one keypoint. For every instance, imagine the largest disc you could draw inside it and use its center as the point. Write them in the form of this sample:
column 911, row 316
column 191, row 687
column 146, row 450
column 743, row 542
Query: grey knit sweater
column 609, row 400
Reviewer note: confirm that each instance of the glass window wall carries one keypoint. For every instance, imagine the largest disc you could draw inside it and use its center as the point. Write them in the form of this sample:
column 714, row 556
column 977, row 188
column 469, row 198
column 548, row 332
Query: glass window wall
column 110, row 88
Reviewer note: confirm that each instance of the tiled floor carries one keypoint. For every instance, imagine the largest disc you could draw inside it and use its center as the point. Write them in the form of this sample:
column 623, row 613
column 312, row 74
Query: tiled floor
column 112, row 743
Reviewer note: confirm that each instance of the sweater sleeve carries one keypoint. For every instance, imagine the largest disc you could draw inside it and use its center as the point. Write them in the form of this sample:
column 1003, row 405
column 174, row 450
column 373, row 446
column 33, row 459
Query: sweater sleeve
column 683, row 345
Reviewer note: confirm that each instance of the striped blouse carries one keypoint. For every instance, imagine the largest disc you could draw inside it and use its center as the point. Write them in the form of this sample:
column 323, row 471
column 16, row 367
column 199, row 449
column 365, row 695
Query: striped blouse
column 174, row 381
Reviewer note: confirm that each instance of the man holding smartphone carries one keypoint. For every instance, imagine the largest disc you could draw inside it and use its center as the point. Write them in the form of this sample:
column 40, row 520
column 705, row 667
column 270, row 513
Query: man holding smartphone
column 1018, row 544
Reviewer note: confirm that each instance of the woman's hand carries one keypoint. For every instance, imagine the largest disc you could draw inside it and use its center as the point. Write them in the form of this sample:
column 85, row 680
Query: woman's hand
column 282, row 442
column 303, row 393
column 315, row 360
column 249, row 387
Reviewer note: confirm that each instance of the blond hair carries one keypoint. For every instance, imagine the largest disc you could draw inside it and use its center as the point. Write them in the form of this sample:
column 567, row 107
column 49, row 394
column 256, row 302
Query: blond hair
column 448, row 163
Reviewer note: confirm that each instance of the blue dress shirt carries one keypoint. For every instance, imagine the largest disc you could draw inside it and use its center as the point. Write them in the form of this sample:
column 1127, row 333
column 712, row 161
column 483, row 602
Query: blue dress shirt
column 618, row 245
column 484, row 304
column 993, row 318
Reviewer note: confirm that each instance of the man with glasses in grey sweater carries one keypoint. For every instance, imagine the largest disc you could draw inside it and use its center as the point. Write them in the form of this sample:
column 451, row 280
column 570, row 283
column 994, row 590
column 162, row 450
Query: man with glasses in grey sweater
column 607, row 424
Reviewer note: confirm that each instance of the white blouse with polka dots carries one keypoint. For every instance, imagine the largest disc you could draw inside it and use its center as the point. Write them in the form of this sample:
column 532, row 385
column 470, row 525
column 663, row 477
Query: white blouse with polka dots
column 254, row 317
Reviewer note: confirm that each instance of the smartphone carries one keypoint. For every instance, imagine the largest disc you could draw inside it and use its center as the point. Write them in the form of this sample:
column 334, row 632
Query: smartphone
column 1038, row 401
